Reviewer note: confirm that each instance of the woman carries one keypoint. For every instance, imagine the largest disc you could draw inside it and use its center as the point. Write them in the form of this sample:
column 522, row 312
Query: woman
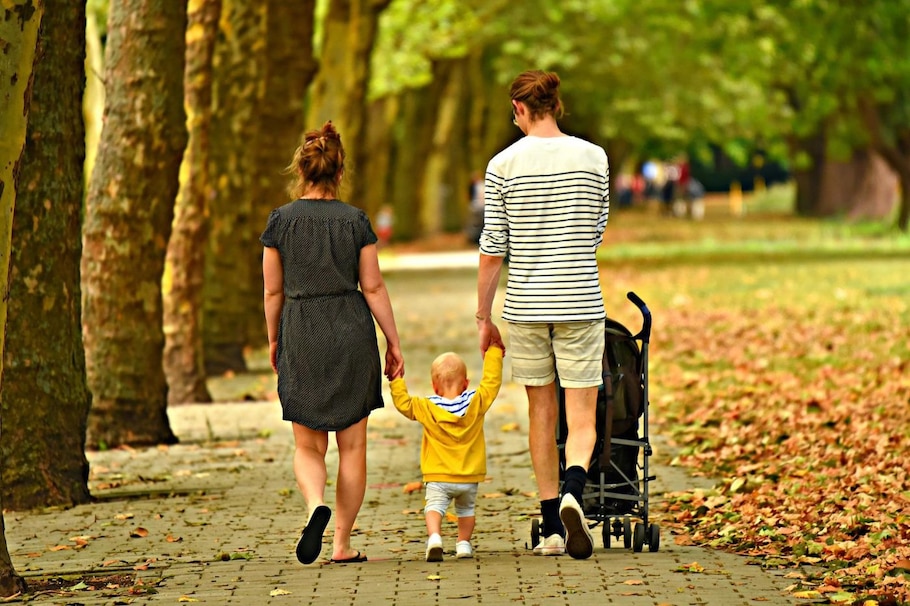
column 547, row 204
column 323, row 288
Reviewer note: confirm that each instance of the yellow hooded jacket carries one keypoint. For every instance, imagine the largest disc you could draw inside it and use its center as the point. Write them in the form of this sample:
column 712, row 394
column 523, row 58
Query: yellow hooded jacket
column 453, row 448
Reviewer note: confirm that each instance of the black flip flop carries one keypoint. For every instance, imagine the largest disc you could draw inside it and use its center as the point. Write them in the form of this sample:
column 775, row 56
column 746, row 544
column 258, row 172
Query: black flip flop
column 352, row 560
column 310, row 543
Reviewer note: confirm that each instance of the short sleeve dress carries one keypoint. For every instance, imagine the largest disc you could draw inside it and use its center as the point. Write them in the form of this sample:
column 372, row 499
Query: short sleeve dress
column 329, row 373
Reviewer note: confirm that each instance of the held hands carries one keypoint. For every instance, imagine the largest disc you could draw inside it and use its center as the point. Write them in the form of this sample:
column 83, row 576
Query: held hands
column 394, row 363
column 489, row 335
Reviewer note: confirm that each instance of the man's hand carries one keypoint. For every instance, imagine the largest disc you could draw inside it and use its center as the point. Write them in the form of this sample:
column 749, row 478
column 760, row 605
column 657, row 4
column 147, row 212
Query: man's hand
column 489, row 335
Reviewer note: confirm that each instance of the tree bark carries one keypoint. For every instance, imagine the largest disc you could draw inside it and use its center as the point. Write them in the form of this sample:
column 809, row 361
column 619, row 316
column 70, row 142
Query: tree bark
column 184, row 272
column 45, row 400
column 288, row 68
column 230, row 275
column 19, row 26
column 129, row 211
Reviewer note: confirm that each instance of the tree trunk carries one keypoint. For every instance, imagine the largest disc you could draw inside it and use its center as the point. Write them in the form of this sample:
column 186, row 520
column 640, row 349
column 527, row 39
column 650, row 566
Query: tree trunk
column 377, row 171
column 45, row 400
column 894, row 147
column 19, row 25
column 129, row 210
column 231, row 280
column 340, row 88
column 412, row 147
column 809, row 180
column 289, row 66
column 445, row 202
column 903, row 215
column 861, row 187
column 185, row 263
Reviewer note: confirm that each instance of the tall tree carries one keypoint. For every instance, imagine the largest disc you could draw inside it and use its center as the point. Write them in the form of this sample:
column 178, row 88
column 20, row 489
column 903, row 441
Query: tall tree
column 45, row 400
column 340, row 90
column 185, row 262
column 19, row 26
column 230, row 272
column 128, row 217
column 288, row 68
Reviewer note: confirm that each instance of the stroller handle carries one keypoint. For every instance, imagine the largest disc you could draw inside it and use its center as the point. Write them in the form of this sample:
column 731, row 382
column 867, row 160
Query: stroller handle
column 645, row 333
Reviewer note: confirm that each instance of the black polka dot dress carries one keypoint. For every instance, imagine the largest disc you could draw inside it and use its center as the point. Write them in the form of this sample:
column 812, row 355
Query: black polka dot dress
column 329, row 373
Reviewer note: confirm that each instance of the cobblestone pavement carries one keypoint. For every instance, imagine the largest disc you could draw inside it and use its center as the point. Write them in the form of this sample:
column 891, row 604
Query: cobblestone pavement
column 214, row 519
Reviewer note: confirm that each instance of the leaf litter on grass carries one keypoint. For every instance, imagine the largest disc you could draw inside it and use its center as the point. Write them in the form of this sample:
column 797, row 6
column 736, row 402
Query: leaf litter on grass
column 791, row 386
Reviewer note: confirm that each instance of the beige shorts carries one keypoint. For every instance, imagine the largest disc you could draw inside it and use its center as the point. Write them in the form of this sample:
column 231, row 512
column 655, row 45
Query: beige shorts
column 575, row 350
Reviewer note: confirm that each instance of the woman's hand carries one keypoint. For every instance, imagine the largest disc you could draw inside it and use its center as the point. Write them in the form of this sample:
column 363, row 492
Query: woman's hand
column 273, row 355
column 394, row 362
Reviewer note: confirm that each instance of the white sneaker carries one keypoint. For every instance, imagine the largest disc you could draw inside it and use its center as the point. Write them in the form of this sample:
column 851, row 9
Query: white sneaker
column 552, row 545
column 579, row 543
column 434, row 548
column 463, row 550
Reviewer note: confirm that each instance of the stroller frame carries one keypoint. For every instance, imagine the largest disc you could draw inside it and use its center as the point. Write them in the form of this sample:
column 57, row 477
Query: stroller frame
column 617, row 496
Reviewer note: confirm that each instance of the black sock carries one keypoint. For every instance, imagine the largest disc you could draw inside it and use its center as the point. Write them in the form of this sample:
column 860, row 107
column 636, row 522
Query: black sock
column 549, row 509
column 574, row 482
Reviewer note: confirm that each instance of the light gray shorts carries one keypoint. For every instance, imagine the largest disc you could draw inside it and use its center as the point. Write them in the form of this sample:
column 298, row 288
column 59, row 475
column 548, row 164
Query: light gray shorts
column 575, row 350
column 440, row 494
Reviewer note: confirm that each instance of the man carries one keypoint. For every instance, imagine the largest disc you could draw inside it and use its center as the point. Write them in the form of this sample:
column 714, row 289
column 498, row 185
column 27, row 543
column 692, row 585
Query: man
column 547, row 204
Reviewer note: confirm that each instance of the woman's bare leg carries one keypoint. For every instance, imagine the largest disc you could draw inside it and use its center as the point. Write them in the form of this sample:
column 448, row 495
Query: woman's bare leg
column 350, row 487
column 309, row 464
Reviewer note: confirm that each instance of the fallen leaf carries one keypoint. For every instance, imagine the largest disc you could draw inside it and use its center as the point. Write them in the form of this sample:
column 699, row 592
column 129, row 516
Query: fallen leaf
column 277, row 592
column 412, row 487
column 633, row 582
column 186, row 598
column 809, row 595
column 434, row 577
column 692, row 567
column 139, row 533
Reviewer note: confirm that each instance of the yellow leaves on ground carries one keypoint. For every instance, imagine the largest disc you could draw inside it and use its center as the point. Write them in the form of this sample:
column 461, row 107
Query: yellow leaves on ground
column 278, row 592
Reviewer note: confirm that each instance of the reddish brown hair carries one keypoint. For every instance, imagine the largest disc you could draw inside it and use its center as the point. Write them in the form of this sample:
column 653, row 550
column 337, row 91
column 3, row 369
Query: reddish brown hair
column 317, row 161
column 539, row 91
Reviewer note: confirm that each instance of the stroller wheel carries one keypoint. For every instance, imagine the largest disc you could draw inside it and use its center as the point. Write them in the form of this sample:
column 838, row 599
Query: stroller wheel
column 605, row 533
column 638, row 541
column 627, row 533
column 535, row 532
column 653, row 537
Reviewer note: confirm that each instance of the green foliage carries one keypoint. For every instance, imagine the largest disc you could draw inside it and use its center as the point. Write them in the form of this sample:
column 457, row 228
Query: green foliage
column 99, row 9
column 415, row 32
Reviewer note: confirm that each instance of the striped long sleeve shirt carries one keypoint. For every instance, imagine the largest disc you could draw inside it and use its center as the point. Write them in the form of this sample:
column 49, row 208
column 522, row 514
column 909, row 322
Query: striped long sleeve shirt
column 547, row 201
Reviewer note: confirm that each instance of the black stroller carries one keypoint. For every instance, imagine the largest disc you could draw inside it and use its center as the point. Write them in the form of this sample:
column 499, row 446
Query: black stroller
column 617, row 489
